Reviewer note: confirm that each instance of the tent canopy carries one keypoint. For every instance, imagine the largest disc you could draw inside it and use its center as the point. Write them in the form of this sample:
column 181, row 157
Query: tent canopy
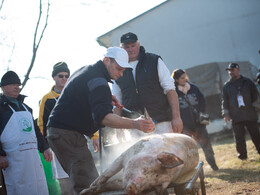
column 211, row 77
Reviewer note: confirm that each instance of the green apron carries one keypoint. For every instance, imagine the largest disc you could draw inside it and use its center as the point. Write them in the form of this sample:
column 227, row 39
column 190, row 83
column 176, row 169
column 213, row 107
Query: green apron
column 53, row 184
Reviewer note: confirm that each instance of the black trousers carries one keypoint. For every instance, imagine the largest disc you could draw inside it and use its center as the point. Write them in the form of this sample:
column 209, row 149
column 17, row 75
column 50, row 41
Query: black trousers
column 239, row 130
column 200, row 134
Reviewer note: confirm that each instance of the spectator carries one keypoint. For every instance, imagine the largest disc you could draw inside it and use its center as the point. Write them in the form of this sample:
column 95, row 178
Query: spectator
column 258, row 81
column 258, row 77
column 53, row 171
column 190, row 98
column 256, row 104
column 239, row 93
column 85, row 106
column 19, row 158
column 148, row 85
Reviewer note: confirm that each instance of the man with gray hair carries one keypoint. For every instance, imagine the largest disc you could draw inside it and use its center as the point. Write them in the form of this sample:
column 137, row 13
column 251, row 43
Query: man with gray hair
column 148, row 85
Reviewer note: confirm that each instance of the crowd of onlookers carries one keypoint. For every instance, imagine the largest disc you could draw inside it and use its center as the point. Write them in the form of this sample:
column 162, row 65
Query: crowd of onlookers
column 78, row 105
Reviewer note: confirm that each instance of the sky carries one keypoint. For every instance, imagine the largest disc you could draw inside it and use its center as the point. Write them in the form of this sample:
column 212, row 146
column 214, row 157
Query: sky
column 70, row 36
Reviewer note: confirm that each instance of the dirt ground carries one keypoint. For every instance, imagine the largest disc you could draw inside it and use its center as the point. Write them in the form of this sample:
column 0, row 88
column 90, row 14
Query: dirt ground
column 234, row 176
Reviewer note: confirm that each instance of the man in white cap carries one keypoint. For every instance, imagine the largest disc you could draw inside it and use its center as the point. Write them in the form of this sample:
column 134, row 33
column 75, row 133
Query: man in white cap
column 84, row 106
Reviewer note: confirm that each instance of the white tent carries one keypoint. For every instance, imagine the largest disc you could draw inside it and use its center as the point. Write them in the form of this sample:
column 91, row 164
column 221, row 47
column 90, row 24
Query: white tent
column 211, row 77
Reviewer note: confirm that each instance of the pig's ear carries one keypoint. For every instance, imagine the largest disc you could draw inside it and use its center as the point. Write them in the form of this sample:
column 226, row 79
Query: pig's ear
column 169, row 160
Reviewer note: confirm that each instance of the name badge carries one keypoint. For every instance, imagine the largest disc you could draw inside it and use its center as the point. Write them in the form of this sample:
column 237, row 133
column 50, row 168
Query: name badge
column 240, row 101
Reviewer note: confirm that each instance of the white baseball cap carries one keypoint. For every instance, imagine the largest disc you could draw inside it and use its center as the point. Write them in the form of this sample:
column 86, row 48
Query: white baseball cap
column 120, row 56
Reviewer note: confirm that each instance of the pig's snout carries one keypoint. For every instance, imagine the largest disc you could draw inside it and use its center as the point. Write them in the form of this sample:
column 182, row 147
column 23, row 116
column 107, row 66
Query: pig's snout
column 131, row 189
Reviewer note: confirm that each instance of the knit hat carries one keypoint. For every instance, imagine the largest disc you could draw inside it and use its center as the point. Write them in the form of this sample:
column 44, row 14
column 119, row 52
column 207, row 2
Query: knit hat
column 177, row 73
column 60, row 67
column 10, row 77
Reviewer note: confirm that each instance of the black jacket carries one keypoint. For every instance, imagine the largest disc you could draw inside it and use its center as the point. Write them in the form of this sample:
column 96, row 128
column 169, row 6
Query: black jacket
column 6, row 113
column 84, row 102
column 248, row 90
column 196, row 98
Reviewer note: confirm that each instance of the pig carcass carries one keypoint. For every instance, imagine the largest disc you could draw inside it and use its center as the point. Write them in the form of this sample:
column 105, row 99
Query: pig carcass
column 150, row 164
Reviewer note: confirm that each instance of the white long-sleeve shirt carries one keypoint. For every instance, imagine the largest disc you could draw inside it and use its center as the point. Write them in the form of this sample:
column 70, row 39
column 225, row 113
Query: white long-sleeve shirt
column 166, row 82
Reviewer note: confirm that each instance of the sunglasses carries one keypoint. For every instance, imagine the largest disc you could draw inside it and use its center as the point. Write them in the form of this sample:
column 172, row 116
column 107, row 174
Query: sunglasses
column 61, row 76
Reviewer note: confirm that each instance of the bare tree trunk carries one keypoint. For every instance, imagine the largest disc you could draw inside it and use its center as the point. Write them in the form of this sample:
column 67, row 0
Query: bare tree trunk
column 1, row 4
column 10, row 58
column 35, row 43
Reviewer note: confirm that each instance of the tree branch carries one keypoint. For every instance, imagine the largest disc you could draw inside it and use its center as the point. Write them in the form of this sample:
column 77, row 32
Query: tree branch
column 36, row 45
column 10, row 58
column 1, row 5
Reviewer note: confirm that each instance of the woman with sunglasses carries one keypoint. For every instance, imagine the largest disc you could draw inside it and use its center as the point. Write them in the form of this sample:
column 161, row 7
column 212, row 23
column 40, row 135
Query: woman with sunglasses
column 190, row 98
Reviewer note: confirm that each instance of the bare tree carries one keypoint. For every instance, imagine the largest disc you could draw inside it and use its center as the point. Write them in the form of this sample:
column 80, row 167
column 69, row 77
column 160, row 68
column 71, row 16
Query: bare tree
column 36, row 43
column 10, row 58
column 1, row 4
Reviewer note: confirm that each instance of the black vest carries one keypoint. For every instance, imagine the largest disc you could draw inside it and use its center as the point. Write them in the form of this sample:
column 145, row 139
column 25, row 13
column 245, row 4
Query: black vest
column 147, row 91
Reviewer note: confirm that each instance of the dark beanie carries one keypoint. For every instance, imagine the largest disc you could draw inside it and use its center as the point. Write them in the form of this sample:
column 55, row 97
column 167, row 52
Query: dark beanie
column 60, row 67
column 10, row 77
column 177, row 73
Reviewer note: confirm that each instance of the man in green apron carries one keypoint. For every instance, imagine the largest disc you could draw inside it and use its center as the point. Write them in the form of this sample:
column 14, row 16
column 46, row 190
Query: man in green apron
column 19, row 141
column 57, row 179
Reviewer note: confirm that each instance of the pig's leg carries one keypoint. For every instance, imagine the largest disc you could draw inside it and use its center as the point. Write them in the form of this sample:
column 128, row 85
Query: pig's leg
column 99, row 183
column 113, row 185
column 110, row 171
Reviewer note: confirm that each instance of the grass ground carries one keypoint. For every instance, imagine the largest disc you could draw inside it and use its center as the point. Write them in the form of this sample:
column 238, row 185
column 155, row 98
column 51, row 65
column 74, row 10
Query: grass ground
column 234, row 176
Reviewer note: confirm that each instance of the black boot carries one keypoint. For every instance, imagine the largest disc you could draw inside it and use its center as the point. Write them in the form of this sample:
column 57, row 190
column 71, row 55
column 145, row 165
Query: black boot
column 214, row 167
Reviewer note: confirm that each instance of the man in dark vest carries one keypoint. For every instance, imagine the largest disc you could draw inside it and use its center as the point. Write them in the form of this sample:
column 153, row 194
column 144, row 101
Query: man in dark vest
column 148, row 85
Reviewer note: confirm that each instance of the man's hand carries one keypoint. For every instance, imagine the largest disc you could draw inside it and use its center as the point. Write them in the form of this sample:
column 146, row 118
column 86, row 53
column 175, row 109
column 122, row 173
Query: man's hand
column 176, row 122
column 145, row 125
column 114, row 100
column 177, row 125
column 95, row 143
column 3, row 162
column 227, row 118
column 47, row 155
